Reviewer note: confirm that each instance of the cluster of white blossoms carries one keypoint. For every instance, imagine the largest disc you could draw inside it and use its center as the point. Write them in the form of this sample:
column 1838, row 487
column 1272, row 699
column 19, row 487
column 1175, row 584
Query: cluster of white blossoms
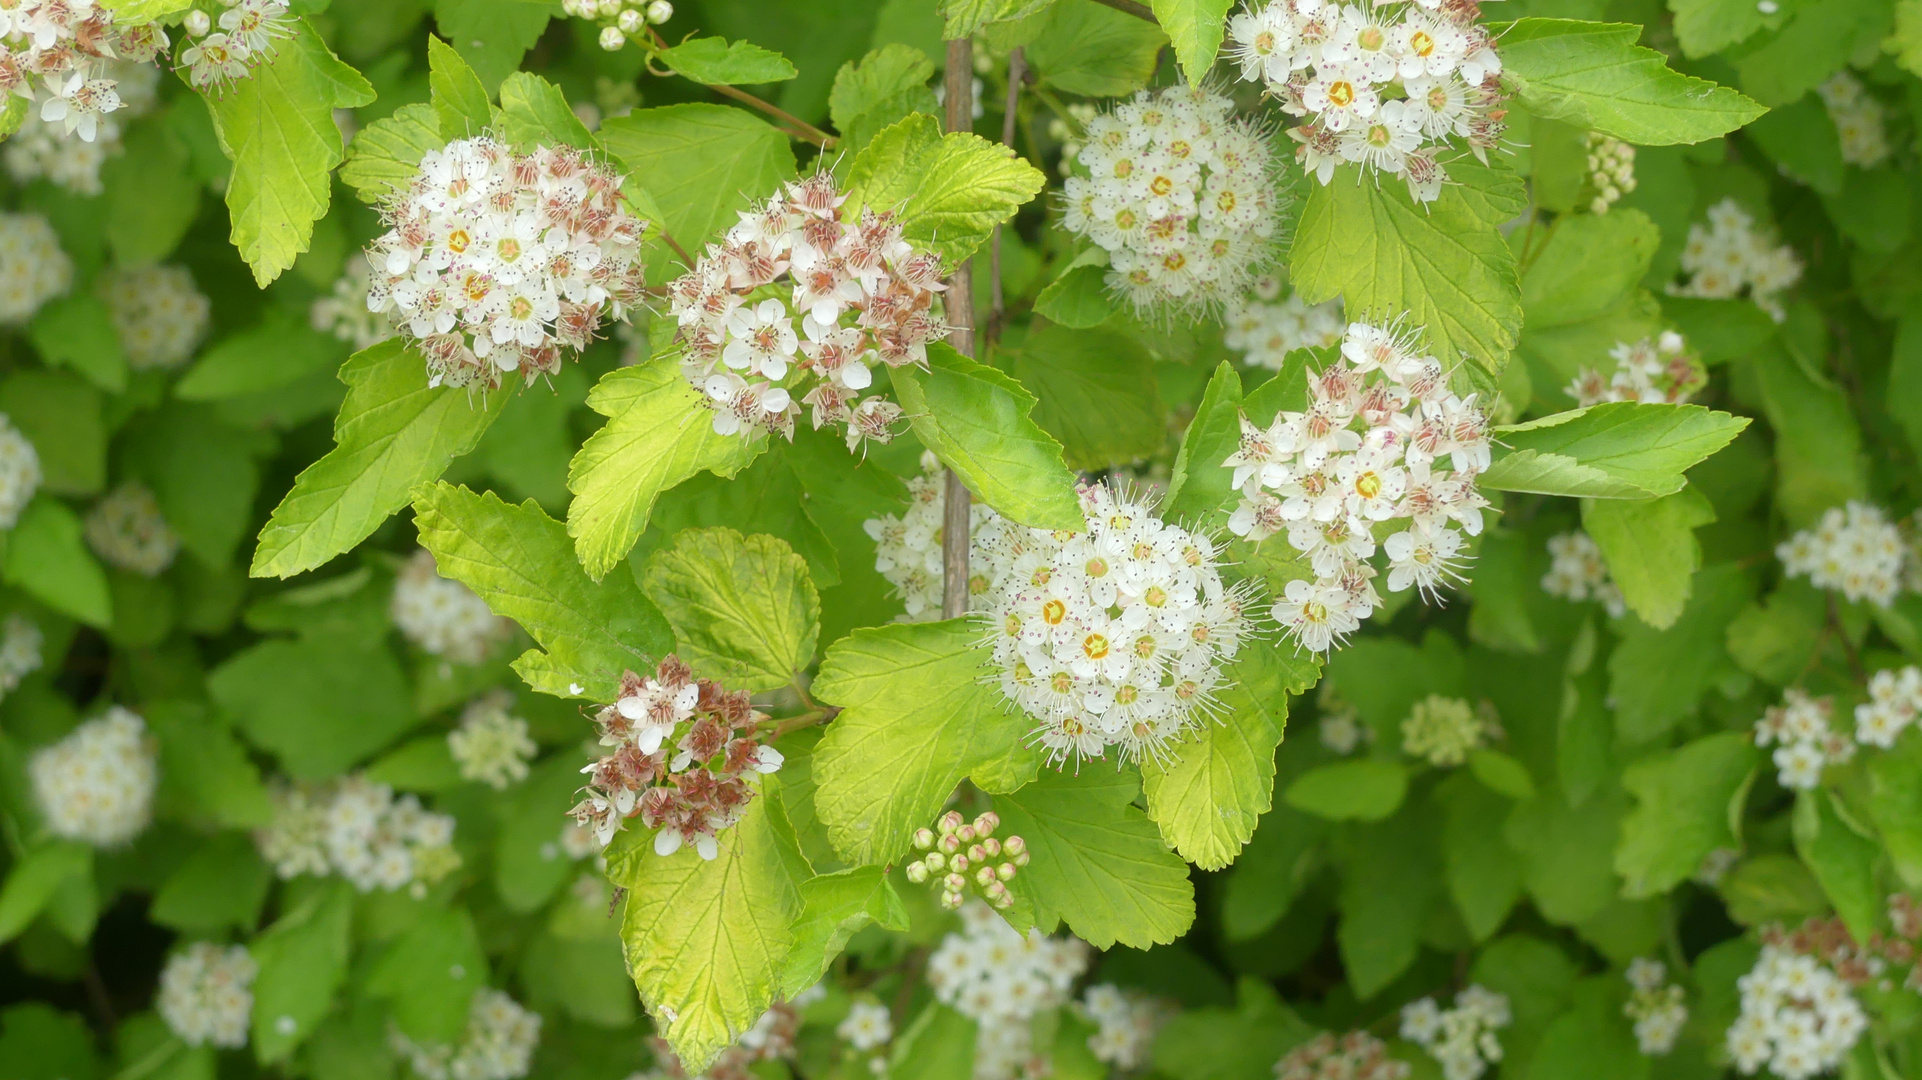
column 999, row 978
column 1855, row 549
column 158, row 312
column 1355, row 1056
column 497, row 261
column 498, row 1043
column 867, row 1026
column 357, row 828
column 1858, row 117
column 97, row 784
column 1895, row 698
column 907, row 548
column 41, row 150
column 1461, row 1039
column 1266, row 329
column 1611, row 170
column 1804, row 742
column 1114, row 637
column 1341, row 728
column 491, row 744
column 794, row 296
column 1125, row 1025
column 20, row 642
column 1732, row 255
column 1798, row 1018
column 249, row 35
column 19, row 473
column 127, row 529
column 206, row 994
column 1182, row 197
column 1654, row 371
column 33, row 269
column 1577, row 572
column 56, row 54
column 1071, row 132
column 1367, row 450
column 1386, row 85
column 343, row 311
column 1443, row 730
column 441, row 616
column 620, row 19
column 1715, row 866
column 1655, row 1005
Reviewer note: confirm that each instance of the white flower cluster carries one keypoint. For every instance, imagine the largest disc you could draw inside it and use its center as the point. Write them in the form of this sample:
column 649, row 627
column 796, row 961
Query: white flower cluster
column 1654, row 371
column 441, row 616
column 1366, row 451
column 1804, row 742
column 20, row 643
column 1462, row 1039
column 907, row 548
column 497, row 1045
column 1443, row 730
column 1716, row 865
column 1895, row 698
column 1577, row 572
column 491, row 744
column 1343, row 731
column 867, row 1026
column 1071, row 132
column 1182, row 197
column 1355, row 1056
column 357, row 828
column 1387, row 85
column 998, row 978
column 1858, row 117
column 860, row 294
column 1731, row 255
column 1611, row 170
column 1854, row 549
column 158, row 313
column 19, row 473
column 126, row 528
column 40, row 150
column 55, row 53
column 1266, row 329
column 97, row 784
column 497, row 261
column 1655, row 1005
column 206, row 994
column 620, row 19
column 1798, row 1018
column 33, row 269
column 1115, row 637
column 249, row 35
column 1125, row 1025
column 344, row 313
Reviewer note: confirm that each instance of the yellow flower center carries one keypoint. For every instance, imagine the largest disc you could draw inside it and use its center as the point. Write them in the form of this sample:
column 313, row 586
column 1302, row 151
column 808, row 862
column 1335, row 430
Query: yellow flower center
column 1094, row 647
column 1053, row 612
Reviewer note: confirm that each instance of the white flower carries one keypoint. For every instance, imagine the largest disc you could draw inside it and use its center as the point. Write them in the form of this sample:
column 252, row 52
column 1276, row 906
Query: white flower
column 907, row 547
column 1805, row 743
column 19, row 473
column 1125, row 1023
column 498, row 1043
column 356, row 828
column 206, row 994
column 491, row 745
column 1355, row 1056
column 1266, row 332
column 443, row 617
column 867, row 1026
column 1652, row 370
column 1731, row 255
column 343, row 312
column 1895, row 698
column 1859, row 119
column 20, row 644
column 126, row 528
column 1000, row 979
column 97, row 784
column 1655, row 1005
column 1461, row 1039
column 1578, row 572
column 33, row 269
column 1854, row 549
column 159, row 314
column 1798, row 1018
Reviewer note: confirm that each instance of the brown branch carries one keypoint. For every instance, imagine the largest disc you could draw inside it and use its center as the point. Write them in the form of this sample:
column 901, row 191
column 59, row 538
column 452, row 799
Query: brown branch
column 797, row 127
column 960, row 310
column 998, row 309
column 1139, row 11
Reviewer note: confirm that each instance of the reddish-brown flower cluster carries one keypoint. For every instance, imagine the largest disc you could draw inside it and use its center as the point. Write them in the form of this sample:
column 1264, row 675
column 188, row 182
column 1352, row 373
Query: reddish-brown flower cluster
column 1854, row 963
column 1354, row 1056
column 681, row 754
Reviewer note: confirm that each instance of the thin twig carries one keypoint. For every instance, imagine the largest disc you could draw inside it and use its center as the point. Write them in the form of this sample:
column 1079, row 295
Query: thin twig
column 960, row 309
column 998, row 309
column 1139, row 11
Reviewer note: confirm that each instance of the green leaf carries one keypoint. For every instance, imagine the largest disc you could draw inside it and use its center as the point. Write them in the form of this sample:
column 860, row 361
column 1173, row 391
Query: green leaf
column 1776, row 640
column 1566, row 853
column 1709, row 26
column 279, row 351
column 1593, row 75
column 47, row 558
column 1802, row 140
column 1894, row 804
column 1391, row 877
column 1651, row 549
column 459, row 99
column 717, row 61
column 658, row 434
column 1814, row 42
column 1196, row 28
column 1592, row 1041
column 527, row 869
column 303, row 961
column 706, row 939
column 916, row 717
column 319, row 704
column 39, row 1042
column 534, row 112
column 492, row 35
column 1445, row 264
column 152, row 194
column 701, row 163
column 833, row 907
column 938, row 1045
column 1097, row 394
column 1819, row 458
column 949, row 191
column 33, row 880
column 744, row 610
column 1501, row 774
column 77, row 331
column 206, row 775
column 519, row 560
column 1770, row 888
column 1484, row 876
column 1097, row 862
column 393, row 432
column 1842, row 860
column 1243, row 1043
column 1686, row 806
column 1199, row 487
column 1617, row 450
column 429, row 974
column 1656, row 677
column 976, row 420
column 1365, row 789
column 1085, row 48
column 60, row 414
column 385, row 155
column 1078, row 298
column 277, row 126
column 963, row 17
column 202, row 473
column 1278, row 863
column 1589, row 262
column 223, row 883
column 136, row 12
column 1906, row 40
column 877, row 91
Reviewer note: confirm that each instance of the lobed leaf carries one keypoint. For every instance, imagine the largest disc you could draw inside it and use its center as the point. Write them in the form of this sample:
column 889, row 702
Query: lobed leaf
column 719, row 62
column 744, row 610
column 1195, row 28
column 385, row 155
column 949, row 191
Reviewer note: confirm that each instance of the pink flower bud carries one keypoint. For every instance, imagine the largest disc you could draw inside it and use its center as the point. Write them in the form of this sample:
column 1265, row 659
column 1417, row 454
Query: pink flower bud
column 976, row 854
column 951, row 900
column 917, row 872
column 965, row 834
column 991, row 846
column 949, row 843
column 1005, row 871
column 954, row 882
column 1021, row 859
column 924, row 839
column 959, row 864
column 984, row 876
column 949, row 822
column 1015, row 846
column 936, row 860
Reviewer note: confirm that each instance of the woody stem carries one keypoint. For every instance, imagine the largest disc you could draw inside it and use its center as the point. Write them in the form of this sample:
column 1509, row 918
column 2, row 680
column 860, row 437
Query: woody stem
column 960, row 309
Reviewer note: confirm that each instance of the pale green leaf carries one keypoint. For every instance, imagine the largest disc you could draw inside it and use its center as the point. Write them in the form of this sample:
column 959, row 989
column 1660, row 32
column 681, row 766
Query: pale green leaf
column 1683, row 810
column 34, row 878
column 1650, row 548
column 1587, row 264
column 1617, row 450
column 492, row 35
column 136, row 12
column 534, row 112
column 393, row 432
column 76, row 331
column 1196, row 28
column 1656, row 677
column 1199, row 487
column 834, row 906
column 962, row 18
column 949, row 191
column 878, row 90
column 1709, row 26
column 1842, row 860
column 1906, row 40
column 385, row 155
column 459, row 99
column 1097, row 394
column 1593, row 75
column 303, row 961
column 744, row 610
column 717, row 61
column 1501, row 774
column 1083, row 47
column 1894, row 804
column 1365, row 789
column 47, row 558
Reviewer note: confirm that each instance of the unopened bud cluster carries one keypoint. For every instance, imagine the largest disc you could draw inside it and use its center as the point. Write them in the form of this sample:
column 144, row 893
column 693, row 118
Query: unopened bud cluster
column 1443, row 730
column 1654, row 371
column 1611, row 170
column 250, row 33
column 965, row 856
column 620, row 19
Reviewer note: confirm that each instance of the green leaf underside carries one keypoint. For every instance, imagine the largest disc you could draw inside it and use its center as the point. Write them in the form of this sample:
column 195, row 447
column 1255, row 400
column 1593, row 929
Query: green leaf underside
column 1617, row 450
column 744, row 610
column 1593, row 75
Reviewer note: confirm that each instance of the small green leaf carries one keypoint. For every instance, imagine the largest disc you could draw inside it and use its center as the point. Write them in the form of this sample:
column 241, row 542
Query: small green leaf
column 1097, row 394
column 320, row 704
column 1078, row 298
column 429, row 974
column 136, row 12
column 1392, row 875
column 1593, row 75
column 1083, row 47
column 719, row 62
column 1618, row 450
column 1365, row 789
column 1894, row 804
column 1501, row 774
column 1703, row 27
column 1199, row 487
column 1771, row 888
column 534, row 112
column 834, row 906
column 223, row 883
column 877, row 91
column 976, row 420
column 1484, row 877
column 33, row 880
column 962, row 18
column 949, row 191
column 701, row 164
column 492, row 35
column 1842, row 860
column 744, row 610
column 47, row 558
column 1686, row 801
column 77, row 331
column 152, row 194
column 277, row 352
column 303, row 961
column 1651, row 549
column 1657, row 677
column 459, row 99
column 61, row 415
column 1196, row 28
column 206, row 775
column 385, row 155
